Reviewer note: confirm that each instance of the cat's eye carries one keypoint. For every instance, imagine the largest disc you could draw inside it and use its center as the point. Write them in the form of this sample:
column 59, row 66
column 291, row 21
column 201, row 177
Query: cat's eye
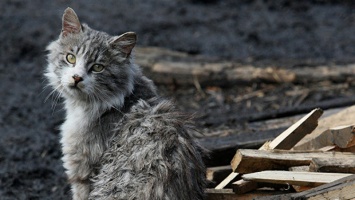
column 71, row 58
column 97, row 68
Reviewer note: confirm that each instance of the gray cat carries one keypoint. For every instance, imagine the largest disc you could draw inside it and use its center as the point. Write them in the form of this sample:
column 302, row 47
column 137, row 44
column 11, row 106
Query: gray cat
column 119, row 139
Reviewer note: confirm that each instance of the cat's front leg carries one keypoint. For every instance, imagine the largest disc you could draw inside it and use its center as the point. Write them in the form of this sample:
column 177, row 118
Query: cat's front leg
column 80, row 191
column 78, row 172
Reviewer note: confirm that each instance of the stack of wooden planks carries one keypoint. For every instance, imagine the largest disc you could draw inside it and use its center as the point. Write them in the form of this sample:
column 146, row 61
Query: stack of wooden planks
column 313, row 159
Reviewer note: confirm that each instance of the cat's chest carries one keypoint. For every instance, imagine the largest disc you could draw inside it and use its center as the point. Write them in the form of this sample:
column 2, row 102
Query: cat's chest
column 78, row 123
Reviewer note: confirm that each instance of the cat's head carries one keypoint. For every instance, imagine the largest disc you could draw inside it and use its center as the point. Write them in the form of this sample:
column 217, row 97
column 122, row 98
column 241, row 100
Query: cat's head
column 90, row 66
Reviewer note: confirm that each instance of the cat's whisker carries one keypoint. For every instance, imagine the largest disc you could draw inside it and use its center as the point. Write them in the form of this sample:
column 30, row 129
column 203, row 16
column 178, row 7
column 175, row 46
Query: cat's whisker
column 51, row 93
column 56, row 99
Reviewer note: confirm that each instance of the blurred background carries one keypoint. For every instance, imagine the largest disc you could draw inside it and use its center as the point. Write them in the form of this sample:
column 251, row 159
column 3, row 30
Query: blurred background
column 281, row 34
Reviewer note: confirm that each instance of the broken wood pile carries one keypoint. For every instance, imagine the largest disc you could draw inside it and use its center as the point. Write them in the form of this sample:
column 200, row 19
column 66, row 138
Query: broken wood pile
column 310, row 160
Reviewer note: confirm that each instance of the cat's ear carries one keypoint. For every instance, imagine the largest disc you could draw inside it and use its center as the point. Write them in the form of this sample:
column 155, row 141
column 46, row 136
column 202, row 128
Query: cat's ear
column 70, row 23
column 124, row 42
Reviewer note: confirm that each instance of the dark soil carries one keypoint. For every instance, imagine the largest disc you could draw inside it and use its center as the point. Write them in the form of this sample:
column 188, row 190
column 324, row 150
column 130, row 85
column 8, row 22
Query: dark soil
column 259, row 32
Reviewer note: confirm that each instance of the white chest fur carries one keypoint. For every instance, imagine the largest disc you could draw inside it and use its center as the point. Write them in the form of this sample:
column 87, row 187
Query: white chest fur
column 76, row 124
column 77, row 131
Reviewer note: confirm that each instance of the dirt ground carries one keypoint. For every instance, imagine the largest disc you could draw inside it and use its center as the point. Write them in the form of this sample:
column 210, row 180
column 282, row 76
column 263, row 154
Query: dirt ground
column 258, row 32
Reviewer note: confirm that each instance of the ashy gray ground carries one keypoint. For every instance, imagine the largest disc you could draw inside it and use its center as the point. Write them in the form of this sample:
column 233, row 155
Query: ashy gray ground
column 257, row 32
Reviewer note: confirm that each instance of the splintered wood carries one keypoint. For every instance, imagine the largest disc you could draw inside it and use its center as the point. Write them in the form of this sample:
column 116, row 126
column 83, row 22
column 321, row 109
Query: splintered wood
column 321, row 168
column 296, row 132
column 307, row 124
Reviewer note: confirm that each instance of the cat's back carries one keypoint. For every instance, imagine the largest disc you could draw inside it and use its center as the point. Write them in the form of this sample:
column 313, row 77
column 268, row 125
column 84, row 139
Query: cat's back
column 151, row 156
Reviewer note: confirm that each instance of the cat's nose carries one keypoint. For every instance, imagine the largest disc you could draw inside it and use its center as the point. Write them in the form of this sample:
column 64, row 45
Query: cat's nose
column 77, row 78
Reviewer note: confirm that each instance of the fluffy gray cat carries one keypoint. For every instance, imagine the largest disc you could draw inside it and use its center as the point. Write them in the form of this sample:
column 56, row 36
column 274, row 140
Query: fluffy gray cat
column 119, row 139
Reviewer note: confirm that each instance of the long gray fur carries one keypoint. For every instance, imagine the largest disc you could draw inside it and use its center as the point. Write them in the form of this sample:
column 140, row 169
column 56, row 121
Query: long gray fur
column 119, row 139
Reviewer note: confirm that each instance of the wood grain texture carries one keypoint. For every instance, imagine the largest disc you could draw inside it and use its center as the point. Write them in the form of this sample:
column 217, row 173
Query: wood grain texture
column 309, row 179
column 292, row 135
column 339, row 165
column 248, row 161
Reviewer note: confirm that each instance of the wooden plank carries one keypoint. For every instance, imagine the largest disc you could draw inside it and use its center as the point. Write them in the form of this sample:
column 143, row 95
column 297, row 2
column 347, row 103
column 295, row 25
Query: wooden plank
column 307, row 123
column 247, row 160
column 227, row 180
column 309, row 179
column 228, row 194
column 299, row 188
column 305, row 168
column 321, row 137
column 339, row 165
column 304, row 126
column 341, row 189
column 241, row 186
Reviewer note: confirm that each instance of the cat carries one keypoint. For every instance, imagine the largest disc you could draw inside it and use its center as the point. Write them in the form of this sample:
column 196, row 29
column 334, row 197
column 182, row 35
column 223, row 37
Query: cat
column 120, row 140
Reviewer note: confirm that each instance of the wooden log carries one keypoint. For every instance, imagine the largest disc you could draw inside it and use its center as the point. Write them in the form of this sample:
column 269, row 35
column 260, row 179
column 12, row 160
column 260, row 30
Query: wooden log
column 322, row 136
column 223, row 73
column 165, row 67
column 309, row 179
column 339, row 165
column 341, row 189
column 248, row 161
